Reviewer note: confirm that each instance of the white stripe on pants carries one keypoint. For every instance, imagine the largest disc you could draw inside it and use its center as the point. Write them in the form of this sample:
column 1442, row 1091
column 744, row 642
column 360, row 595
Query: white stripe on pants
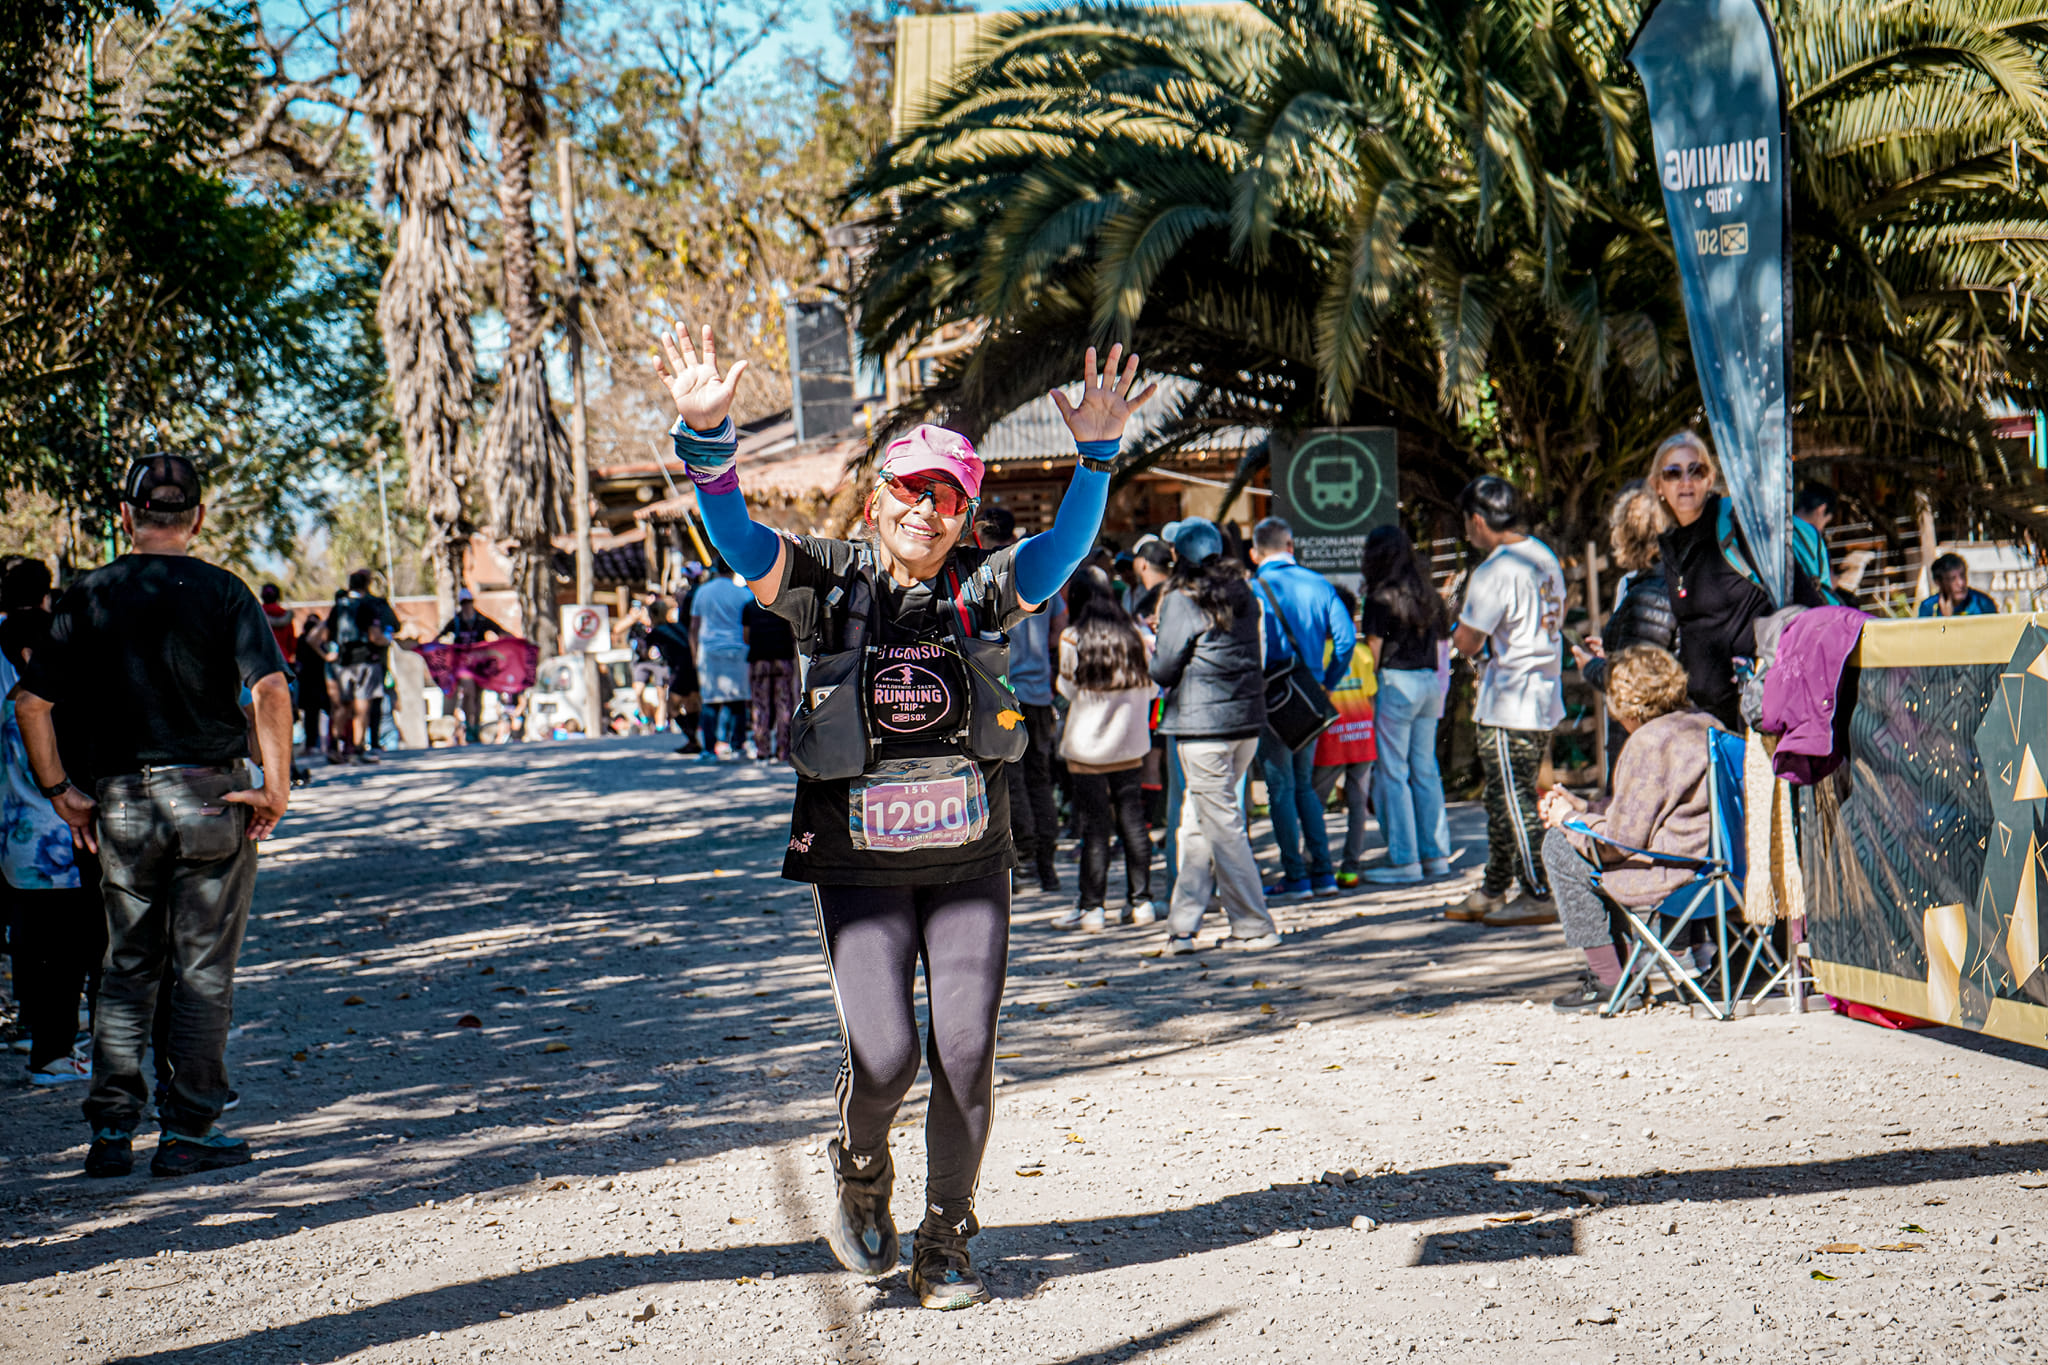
column 1214, row 849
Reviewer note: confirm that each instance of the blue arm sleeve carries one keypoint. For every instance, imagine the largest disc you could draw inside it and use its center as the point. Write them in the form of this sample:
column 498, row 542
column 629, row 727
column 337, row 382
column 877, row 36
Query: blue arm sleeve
column 1047, row 560
column 749, row 547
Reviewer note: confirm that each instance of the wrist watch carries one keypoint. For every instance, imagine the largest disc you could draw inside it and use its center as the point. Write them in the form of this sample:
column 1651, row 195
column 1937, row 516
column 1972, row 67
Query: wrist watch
column 55, row 789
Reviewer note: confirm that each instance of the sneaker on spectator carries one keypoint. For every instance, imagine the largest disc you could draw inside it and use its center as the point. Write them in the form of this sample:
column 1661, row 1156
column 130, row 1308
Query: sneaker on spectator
column 1254, row 942
column 1525, row 910
column 1180, row 945
column 1393, row 874
column 1323, row 887
column 112, row 1154
column 1480, row 904
column 59, row 1071
column 178, row 1155
column 1290, row 891
column 1089, row 921
column 1347, row 880
column 1589, row 996
column 1436, row 867
column 1141, row 912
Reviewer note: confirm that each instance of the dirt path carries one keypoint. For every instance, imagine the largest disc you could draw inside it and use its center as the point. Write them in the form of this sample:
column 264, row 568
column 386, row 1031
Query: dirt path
column 626, row 1155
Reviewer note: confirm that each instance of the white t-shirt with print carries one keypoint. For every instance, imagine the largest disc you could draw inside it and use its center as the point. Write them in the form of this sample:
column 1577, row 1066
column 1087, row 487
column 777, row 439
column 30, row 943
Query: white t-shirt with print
column 1516, row 600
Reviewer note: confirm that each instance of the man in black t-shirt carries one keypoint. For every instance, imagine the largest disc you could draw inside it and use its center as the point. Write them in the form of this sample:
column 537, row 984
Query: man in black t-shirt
column 157, row 647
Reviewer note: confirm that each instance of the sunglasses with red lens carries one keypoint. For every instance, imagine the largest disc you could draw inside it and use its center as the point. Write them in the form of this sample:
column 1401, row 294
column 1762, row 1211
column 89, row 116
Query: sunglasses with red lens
column 912, row 489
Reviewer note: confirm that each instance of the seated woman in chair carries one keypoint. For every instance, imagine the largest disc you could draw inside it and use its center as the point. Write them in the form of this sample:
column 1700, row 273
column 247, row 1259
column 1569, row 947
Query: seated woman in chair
column 1661, row 803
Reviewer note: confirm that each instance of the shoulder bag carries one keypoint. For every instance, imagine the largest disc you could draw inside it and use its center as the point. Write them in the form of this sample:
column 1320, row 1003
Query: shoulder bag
column 1298, row 709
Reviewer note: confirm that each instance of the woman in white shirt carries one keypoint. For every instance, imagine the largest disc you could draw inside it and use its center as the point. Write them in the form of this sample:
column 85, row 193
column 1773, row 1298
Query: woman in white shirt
column 1102, row 674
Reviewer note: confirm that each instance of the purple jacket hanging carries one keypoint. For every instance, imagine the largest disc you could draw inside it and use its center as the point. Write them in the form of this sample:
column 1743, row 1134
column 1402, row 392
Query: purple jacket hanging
column 1802, row 693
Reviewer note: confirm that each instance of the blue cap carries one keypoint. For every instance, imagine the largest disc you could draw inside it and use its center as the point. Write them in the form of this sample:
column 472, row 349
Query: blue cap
column 1195, row 540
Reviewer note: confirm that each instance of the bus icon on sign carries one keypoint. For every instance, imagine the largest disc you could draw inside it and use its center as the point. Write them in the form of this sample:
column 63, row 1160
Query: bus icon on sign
column 1333, row 482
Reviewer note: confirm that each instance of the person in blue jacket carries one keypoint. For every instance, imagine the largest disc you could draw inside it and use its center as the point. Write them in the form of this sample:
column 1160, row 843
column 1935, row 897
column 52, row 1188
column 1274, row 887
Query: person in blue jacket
column 910, row 860
column 1316, row 621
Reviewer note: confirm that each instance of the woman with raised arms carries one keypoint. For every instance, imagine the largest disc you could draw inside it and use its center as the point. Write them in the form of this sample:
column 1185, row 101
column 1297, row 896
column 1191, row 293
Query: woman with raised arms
column 901, row 822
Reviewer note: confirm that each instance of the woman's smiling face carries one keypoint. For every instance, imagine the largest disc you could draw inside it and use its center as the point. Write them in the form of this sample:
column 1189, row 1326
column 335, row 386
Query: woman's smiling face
column 915, row 533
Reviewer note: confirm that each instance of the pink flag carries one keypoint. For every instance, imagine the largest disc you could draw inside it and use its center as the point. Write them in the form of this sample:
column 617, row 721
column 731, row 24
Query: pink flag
column 505, row 666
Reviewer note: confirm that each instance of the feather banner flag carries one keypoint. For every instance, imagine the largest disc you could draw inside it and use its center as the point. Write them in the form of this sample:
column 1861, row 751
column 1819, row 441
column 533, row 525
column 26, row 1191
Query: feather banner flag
column 1717, row 113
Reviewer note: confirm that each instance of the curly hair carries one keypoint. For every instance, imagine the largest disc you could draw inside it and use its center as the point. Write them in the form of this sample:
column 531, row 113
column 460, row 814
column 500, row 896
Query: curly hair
column 1633, row 525
column 1643, row 683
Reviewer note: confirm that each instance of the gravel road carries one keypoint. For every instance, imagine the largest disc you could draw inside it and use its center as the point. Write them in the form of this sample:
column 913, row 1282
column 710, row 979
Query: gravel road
column 535, row 1048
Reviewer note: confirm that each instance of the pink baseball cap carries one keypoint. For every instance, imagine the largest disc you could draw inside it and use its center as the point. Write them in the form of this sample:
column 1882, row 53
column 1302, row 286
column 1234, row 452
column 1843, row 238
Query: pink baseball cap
column 935, row 450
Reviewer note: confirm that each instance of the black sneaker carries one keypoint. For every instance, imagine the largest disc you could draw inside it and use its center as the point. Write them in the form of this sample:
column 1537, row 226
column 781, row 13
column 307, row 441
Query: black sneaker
column 182, row 1156
column 234, row 1098
column 941, row 1272
column 1049, row 880
column 110, row 1156
column 861, row 1234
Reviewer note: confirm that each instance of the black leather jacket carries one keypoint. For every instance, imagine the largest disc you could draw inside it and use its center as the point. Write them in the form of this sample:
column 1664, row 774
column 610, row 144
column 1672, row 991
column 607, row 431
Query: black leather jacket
column 1642, row 617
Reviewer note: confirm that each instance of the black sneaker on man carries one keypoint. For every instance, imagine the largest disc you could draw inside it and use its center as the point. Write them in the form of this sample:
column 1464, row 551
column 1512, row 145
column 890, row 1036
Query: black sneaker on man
column 112, row 1154
column 177, row 1156
column 862, row 1235
column 941, row 1272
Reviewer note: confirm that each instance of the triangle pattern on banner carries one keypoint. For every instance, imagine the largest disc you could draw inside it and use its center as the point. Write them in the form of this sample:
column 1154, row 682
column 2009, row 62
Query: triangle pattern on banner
column 2004, row 838
column 2039, row 668
column 2029, row 787
column 2014, row 686
column 2005, row 775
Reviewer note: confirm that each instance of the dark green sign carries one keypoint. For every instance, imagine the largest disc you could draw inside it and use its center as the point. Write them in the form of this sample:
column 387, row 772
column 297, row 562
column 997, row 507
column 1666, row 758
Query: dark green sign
column 1334, row 484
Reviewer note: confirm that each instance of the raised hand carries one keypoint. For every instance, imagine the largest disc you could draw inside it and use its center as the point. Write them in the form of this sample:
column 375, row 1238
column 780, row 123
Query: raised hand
column 1106, row 402
column 702, row 398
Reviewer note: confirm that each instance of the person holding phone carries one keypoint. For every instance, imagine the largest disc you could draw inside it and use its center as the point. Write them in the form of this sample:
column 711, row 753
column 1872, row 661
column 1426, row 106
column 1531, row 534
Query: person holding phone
column 910, row 857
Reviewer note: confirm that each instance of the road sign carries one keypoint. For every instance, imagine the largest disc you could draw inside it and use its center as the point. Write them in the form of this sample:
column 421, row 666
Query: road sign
column 585, row 628
column 1333, row 485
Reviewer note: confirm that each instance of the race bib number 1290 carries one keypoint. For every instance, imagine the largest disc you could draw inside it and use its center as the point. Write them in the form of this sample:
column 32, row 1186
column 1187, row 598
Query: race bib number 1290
column 893, row 812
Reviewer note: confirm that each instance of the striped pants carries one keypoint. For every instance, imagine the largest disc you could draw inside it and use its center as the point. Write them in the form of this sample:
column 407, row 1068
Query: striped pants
column 1514, row 832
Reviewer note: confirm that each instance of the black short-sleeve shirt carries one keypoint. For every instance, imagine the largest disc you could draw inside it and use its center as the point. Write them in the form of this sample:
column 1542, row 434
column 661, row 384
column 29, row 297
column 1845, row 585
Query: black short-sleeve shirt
column 1404, row 647
column 157, row 649
column 922, row 685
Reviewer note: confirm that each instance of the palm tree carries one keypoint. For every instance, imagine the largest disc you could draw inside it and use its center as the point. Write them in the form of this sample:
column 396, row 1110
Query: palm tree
column 1320, row 212
column 1920, row 165
column 525, row 453
column 414, row 61
column 1439, row 215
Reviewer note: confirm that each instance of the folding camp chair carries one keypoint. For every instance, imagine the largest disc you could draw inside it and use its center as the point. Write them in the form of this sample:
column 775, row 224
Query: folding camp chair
column 1749, row 964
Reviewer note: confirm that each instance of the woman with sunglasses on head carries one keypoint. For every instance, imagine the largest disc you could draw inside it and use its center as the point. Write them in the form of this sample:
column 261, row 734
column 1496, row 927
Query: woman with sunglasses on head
column 908, row 847
column 1716, row 595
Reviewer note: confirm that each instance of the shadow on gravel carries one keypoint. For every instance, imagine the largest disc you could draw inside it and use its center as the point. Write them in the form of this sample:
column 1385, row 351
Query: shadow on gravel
column 1165, row 1336
column 1020, row 1257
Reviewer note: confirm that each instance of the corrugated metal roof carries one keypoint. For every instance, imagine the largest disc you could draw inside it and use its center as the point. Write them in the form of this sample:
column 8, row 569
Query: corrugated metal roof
column 1036, row 431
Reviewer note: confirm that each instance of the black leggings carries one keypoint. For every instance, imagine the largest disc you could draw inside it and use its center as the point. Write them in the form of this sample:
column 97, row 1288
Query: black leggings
column 874, row 938
column 1112, row 804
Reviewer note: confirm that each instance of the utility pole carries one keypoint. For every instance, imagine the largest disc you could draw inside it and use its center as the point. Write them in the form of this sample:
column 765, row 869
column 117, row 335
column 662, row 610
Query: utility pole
column 579, row 422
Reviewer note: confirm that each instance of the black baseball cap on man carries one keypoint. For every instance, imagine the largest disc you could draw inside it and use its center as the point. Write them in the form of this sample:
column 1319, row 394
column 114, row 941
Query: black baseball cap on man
column 152, row 473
